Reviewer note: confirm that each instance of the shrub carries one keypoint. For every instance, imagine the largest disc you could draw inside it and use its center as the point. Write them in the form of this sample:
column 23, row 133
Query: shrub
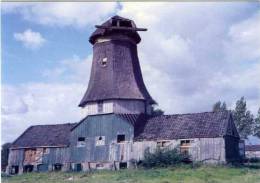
column 254, row 160
column 163, row 158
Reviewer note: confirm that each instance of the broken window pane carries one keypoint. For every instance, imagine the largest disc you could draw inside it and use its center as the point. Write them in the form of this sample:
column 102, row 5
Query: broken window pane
column 120, row 138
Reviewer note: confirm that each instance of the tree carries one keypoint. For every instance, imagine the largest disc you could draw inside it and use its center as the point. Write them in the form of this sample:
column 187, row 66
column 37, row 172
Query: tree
column 243, row 119
column 257, row 124
column 219, row 107
column 156, row 111
column 4, row 155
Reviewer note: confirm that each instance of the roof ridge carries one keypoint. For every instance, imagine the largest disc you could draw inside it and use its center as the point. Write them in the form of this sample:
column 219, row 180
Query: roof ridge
column 193, row 113
column 57, row 124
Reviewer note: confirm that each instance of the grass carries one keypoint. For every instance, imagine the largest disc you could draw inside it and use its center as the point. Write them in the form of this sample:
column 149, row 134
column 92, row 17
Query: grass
column 181, row 174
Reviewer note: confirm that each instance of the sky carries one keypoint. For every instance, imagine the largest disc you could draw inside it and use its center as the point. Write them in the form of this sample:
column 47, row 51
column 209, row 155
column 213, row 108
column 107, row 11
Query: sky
column 193, row 55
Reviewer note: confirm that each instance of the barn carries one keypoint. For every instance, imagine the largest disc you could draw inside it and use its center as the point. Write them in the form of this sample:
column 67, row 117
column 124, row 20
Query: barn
column 118, row 125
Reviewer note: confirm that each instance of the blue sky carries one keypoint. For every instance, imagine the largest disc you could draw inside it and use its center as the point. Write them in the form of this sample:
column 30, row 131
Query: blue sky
column 192, row 55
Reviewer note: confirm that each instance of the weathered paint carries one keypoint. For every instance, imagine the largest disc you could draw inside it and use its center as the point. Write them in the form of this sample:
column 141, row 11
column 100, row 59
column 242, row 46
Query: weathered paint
column 115, row 106
column 94, row 126
column 202, row 149
column 18, row 157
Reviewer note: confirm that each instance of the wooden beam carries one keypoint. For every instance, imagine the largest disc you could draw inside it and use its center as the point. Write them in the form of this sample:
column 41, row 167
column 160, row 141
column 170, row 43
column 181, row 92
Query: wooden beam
column 120, row 28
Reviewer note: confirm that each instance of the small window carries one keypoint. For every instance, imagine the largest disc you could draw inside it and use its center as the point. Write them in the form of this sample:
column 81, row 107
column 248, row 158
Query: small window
column 162, row 143
column 120, row 138
column 114, row 22
column 185, row 142
column 81, row 142
column 14, row 170
column 125, row 23
column 27, row 168
column 100, row 140
column 122, row 165
column 80, row 139
column 99, row 166
column 100, row 107
column 78, row 167
column 57, row 167
column 185, row 146
column 104, row 62
column 46, row 150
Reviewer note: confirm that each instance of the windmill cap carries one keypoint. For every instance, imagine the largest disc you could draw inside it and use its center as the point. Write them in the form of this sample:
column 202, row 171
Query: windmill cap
column 117, row 25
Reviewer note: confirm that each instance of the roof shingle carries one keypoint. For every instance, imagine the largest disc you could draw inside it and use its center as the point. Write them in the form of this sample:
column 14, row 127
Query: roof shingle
column 44, row 135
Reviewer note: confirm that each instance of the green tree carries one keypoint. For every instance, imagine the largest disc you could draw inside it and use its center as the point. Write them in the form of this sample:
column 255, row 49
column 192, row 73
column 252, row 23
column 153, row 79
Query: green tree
column 243, row 119
column 4, row 155
column 257, row 124
column 156, row 111
column 218, row 106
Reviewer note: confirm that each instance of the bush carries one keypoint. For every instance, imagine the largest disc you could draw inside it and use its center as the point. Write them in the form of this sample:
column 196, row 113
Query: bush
column 163, row 158
column 254, row 160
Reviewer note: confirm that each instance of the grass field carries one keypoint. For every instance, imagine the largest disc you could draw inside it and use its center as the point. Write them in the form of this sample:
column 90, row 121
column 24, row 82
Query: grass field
column 182, row 174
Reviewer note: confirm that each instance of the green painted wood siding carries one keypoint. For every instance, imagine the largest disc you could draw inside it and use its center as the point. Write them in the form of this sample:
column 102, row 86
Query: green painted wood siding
column 108, row 125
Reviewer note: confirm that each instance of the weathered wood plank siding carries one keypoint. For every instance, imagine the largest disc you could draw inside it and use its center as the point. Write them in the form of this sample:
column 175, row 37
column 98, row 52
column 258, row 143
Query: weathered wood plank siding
column 129, row 106
column 202, row 149
column 115, row 106
column 108, row 126
column 55, row 155
column 16, row 157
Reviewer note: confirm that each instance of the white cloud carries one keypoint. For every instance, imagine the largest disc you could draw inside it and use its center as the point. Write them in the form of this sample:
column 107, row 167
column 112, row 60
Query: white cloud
column 78, row 14
column 30, row 39
column 187, row 53
column 192, row 56
column 52, row 102
column 38, row 103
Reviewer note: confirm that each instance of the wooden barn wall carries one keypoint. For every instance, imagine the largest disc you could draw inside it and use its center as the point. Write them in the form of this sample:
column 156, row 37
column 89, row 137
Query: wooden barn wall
column 232, row 148
column 16, row 157
column 129, row 107
column 203, row 149
column 103, row 125
column 115, row 106
column 54, row 155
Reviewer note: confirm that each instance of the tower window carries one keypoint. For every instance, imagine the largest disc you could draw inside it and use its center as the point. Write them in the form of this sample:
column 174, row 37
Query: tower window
column 100, row 107
column 104, row 62
column 125, row 23
column 120, row 138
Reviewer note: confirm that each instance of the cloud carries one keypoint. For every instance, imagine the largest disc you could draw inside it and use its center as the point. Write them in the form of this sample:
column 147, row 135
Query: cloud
column 77, row 14
column 74, row 69
column 53, row 101
column 30, row 39
column 38, row 103
column 192, row 55
column 198, row 54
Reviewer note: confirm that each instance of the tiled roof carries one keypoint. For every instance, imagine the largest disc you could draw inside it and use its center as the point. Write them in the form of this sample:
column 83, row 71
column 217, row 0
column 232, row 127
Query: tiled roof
column 181, row 126
column 44, row 135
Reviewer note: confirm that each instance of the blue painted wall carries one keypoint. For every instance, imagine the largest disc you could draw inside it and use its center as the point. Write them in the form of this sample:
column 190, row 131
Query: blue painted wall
column 108, row 125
